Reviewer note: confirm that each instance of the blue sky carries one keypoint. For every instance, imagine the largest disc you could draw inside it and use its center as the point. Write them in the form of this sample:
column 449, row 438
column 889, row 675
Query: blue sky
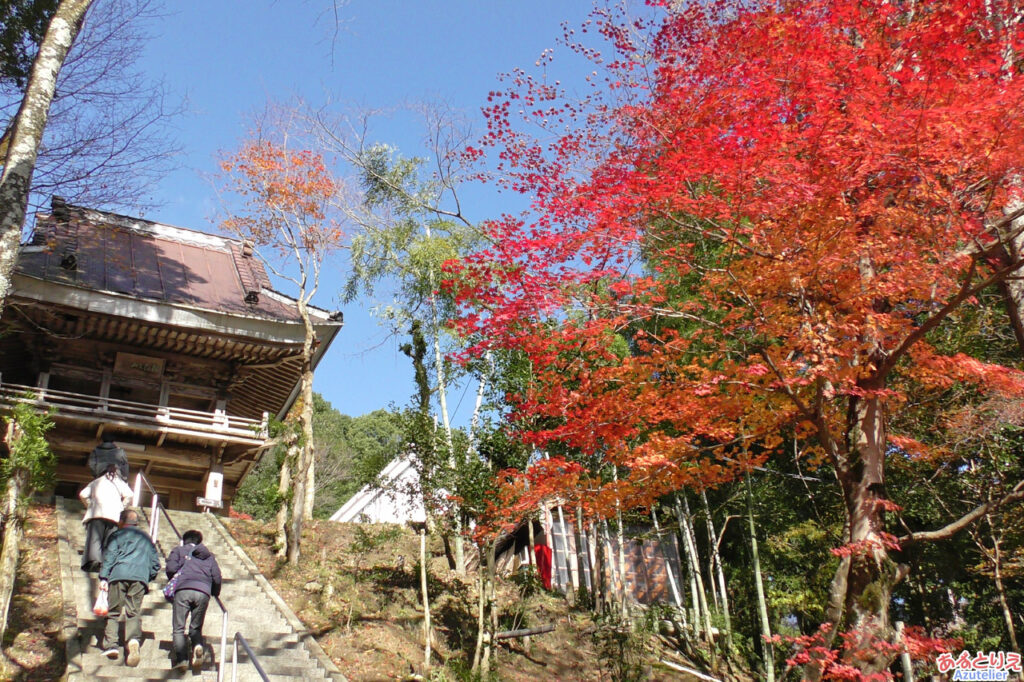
column 230, row 57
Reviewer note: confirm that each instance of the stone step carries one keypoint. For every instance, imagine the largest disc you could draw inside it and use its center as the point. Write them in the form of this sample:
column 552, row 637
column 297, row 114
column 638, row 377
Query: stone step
column 116, row 670
column 284, row 663
column 281, row 650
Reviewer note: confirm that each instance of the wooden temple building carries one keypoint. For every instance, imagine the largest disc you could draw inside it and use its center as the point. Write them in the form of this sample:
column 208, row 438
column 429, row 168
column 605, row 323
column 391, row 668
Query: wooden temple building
column 169, row 339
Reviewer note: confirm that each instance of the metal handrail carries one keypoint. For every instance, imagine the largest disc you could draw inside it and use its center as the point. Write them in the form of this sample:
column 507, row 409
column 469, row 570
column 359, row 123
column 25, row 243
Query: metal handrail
column 154, row 524
column 239, row 639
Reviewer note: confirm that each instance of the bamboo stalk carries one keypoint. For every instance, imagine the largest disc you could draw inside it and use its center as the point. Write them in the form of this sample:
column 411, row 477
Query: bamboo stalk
column 716, row 559
column 426, row 599
column 686, row 528
column 762, row 606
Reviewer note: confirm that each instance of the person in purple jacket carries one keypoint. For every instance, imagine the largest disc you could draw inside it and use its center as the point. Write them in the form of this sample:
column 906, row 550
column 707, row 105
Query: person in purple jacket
column 199, row 580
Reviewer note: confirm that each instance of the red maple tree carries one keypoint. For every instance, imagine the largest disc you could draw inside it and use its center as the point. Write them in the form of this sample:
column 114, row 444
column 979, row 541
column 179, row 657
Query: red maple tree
column 785, row 198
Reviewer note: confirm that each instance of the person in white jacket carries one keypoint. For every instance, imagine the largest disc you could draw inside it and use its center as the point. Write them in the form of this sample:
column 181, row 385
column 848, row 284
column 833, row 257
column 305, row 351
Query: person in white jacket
column 105, row 498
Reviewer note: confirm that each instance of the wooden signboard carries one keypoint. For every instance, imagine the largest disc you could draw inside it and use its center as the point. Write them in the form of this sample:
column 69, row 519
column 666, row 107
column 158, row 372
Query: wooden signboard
column 132, row 365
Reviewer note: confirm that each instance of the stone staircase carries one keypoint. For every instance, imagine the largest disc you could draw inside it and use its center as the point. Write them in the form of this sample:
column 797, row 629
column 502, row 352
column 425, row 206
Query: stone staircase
column 285, row 650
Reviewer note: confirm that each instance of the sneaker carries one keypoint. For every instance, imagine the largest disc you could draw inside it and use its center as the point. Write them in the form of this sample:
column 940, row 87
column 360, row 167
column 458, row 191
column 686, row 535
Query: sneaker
column 197, row 658
column 181, row 666
column 132, row 659
column 112, row 653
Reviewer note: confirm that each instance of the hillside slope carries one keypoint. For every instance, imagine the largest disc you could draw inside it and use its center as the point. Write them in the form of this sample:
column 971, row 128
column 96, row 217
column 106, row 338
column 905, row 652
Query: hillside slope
column 358, row 587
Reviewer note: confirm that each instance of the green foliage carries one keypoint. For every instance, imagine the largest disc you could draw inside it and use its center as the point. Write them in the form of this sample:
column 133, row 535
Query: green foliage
column 801, row 569
column 258, row 495
column 951, row 590
column 22, row 26
column 405, row 238
column 460, row 670
column 500, row 447
column 366, row 540
column 29, row 452
column 350, row 452
column 527, row 580
column 624, row 648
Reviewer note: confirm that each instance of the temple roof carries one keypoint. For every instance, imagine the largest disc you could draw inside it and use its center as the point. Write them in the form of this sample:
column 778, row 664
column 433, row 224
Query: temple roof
column 107, row 252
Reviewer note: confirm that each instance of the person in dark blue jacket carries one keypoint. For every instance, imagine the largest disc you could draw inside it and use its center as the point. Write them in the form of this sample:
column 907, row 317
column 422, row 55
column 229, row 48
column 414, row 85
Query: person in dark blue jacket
column 199, row 579
column 130, row 562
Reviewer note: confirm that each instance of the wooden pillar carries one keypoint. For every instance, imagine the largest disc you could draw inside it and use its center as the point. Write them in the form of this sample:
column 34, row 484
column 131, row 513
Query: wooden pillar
column 43, row 382
column 220, row 414
column 105, row 390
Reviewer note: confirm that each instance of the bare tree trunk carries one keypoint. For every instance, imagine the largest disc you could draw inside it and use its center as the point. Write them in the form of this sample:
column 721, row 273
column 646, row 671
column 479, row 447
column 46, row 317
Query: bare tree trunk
column 997, row 565
column 530, row 552
column 711, row 557
column 13, row 529
column 305, row 460
column 905, row 662
column 696, row 611
column 283, row 488
column 598, row 579
column 716, row 559
column 1012, row 287
column 834, row 610
column 481, row 388
column 482, row 585
column 570, row 560
column 27, row 132
column 487, row 617
column 307, row 509
column 583, row 544
column 492, row 605
column 613, row 593
column 762, row 605
column 872, row 573
column 442, row 394
column 426, row 600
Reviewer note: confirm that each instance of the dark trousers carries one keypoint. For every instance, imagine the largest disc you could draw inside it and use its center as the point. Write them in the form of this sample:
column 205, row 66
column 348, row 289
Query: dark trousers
column 186, row 603
column 97, row 531
column 124, row 595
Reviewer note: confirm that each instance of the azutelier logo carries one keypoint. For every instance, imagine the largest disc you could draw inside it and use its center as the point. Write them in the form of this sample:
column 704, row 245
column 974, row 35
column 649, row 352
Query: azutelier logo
column 993, row 666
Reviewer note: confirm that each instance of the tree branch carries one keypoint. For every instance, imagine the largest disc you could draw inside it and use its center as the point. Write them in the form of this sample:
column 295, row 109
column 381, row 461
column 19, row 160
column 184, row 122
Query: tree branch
column 964, row 521
column 966, row 291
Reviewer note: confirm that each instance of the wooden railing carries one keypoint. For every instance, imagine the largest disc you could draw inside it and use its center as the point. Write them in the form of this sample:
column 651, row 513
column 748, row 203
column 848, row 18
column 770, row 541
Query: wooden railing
column 141, row 415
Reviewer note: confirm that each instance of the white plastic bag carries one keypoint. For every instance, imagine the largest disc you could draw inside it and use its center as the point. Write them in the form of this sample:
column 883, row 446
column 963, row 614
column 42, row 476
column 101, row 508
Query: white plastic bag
column 100, row 608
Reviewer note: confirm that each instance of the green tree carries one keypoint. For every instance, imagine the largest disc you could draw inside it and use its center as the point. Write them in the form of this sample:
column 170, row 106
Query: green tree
column 22, row 27
column 350, row 452
column 410, row 223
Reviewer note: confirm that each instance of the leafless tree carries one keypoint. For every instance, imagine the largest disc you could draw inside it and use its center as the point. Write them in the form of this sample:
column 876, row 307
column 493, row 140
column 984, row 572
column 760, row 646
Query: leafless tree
column 26, row 130
column 108, row 137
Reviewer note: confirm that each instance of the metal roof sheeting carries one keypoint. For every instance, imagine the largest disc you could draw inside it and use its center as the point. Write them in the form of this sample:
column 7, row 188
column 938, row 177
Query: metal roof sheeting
column 107, row 252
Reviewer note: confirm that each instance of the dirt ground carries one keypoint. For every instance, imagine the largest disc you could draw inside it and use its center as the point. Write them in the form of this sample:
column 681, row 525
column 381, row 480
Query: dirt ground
column 358, row 587
column 32, row 644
